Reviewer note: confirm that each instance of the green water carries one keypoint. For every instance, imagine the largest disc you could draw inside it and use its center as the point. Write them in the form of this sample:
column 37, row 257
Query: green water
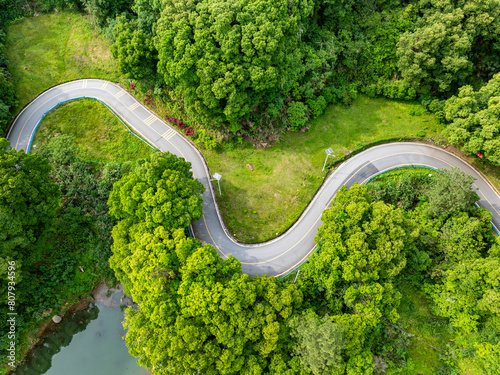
column 88, row 342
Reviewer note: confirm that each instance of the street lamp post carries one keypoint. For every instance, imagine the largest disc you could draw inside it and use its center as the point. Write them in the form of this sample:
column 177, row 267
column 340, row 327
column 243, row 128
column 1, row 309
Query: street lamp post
column 217, row 177
column 328, row 153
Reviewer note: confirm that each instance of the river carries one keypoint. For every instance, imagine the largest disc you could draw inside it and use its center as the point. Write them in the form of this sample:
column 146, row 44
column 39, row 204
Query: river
column 86, row 342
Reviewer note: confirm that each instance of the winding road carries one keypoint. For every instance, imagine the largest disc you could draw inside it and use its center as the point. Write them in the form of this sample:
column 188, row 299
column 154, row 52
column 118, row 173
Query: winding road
column 284, row 253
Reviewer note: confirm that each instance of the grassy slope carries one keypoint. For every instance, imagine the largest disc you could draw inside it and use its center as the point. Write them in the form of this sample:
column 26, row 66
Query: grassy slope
column 50, row 49
column 256, row 205
column 100, row 135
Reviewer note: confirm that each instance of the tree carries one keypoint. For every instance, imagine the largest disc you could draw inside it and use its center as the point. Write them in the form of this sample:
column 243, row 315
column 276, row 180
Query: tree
column 318, row 342
column 133, row 49
column 452, row 40
column 452, row 193
column 363, row 246
column 434, row 56
column 464, row 238
column 27, row 195
column 197, row 312
column 489, row 355
column 160, row 190
column 474, row 116
column 228, row 59
column 470, row 293
column 103, row 10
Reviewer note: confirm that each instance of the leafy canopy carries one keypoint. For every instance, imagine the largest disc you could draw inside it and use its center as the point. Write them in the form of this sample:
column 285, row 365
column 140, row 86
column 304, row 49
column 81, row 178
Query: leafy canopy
column 160, row 190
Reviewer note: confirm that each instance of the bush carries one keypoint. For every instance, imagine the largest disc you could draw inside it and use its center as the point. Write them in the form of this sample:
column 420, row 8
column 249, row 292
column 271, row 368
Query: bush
column 297, row 114
column 317, row 106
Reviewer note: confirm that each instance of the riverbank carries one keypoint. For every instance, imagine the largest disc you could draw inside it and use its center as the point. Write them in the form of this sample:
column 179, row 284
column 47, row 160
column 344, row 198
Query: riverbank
column 102, row 294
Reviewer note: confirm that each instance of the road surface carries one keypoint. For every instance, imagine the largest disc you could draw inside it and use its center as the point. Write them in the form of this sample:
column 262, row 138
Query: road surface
column 282, row 254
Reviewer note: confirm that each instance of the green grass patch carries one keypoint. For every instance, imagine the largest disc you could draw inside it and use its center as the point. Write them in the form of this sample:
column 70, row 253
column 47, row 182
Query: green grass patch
column 98, row 133
column 257, row 205
column 50, row 49
column 396, row 174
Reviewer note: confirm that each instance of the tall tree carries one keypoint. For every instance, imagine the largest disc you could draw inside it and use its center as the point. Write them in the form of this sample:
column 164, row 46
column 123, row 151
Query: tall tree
column 363, row 246
column 451, row 194
column 452, row 39
column 474, row 117
column 134, row 49
column 319, row 342
column 228, row 59
column 160, row 190
column 27, row 195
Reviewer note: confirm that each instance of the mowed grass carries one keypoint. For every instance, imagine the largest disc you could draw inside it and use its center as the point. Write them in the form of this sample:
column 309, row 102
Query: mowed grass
column 98, row 133
column 258, row 205
column 50, row 49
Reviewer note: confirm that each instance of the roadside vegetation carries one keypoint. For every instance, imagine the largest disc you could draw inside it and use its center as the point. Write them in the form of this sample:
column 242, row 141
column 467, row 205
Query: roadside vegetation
column 100, row 136
column 386, row 293
column 260, row 203
column 405, row 262
column 49, row 49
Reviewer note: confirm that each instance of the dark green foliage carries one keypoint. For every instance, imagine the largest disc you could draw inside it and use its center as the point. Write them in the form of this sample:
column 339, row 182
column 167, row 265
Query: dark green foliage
column 405, row 192
column 85, row 218
column 7, row 99
column 26, row 193
column 474, row 118
column 11, row 10
column 134, row 50
column 104, row 10
column 451, row 194
column 60, row 237
column 454, row 262
column 229, row 61
column 452, row 40
column 47, row 6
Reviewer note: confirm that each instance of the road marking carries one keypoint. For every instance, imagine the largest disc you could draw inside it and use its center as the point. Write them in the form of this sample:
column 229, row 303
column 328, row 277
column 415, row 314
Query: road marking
column 84, row 84
column 104, row 85
column 119, row 94
column 150, row 120
column 168, row 134
column 134, row 106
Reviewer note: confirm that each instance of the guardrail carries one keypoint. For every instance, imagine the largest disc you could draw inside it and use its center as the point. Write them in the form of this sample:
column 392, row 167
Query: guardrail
column 368, row 181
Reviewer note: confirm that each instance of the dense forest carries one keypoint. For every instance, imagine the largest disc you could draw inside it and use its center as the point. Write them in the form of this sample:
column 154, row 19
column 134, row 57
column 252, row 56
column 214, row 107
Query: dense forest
column 254, row 69
column 199, row 313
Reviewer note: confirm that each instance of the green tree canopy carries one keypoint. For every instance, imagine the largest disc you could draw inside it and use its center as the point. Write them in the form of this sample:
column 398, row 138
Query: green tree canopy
column 474, row 117
column 134, row 49
column 197, row 312
column 452, row 39
column 451, row 194
column 229, row 59
column 318, row 342
column 160, row 190
column 27, row 195
column 470, row 293
column 363, row 246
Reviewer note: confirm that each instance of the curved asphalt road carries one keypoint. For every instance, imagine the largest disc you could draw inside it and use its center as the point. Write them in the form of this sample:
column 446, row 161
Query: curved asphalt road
column 276, row 257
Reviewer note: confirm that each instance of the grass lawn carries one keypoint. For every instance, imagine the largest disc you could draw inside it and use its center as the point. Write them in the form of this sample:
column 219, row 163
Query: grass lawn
column 50, row 49
column 99, row 134
column 257, row 205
